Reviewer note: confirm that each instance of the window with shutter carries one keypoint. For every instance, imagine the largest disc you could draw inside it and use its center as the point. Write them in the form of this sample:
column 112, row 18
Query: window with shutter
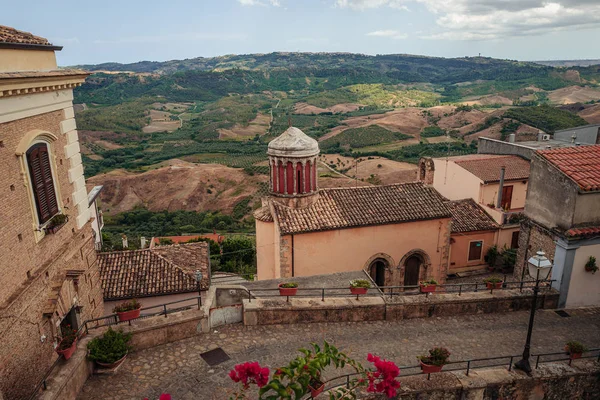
column 42, row 184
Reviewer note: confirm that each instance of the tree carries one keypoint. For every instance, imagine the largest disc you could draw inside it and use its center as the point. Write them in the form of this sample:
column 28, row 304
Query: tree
column 239, row 255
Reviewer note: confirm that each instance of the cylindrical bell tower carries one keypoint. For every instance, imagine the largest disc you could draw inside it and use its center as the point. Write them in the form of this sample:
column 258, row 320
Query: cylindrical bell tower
column 293, row 164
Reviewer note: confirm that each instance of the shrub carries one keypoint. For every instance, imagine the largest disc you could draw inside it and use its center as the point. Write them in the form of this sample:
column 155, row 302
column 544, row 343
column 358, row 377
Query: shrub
column 110, row 347
column 127, row 306
column 360, row 283
column 492, row 255
column 591, row 265
column 575, row 347
column 289, row 285
column 437, row 356
column 493, row 280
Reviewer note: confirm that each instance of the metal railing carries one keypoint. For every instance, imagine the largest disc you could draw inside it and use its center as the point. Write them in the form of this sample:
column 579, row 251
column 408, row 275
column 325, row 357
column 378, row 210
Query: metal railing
column 113, row 319
column 467, row 366
column 392, row 291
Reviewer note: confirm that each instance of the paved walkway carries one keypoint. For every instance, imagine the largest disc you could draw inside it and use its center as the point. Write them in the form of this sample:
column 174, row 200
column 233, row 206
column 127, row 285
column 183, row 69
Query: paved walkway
column 177, row 368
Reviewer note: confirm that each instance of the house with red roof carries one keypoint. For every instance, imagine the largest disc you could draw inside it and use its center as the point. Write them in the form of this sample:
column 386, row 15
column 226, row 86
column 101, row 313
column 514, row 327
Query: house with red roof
column 563, row 220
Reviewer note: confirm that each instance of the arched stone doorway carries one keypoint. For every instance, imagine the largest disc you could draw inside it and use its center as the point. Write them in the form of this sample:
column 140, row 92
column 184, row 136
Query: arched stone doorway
column 379, row 268
column 377, row 271
column 413, row 267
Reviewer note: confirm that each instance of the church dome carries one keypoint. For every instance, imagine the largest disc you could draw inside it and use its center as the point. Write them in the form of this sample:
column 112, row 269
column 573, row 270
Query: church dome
column 293, row 143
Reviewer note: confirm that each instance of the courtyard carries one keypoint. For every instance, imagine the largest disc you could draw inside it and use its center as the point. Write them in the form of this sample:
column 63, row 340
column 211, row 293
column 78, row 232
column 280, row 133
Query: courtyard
column 178, row 369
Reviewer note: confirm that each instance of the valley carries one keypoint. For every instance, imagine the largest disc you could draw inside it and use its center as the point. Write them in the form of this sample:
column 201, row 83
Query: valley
column 192, row 135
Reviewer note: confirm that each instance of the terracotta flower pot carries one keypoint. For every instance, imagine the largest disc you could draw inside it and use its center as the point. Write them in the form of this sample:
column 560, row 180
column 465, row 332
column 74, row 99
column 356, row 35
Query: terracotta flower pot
column 496, row 285
column 429, row 369
column 358, row 290
column 287, row 291
column 112, row 365
column 427, row 288
column 129, row 315
column 68, row 352
column 314, row 392
column 574, row 356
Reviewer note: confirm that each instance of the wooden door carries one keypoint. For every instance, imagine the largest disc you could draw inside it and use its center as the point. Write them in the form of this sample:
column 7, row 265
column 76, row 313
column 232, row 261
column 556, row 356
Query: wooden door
column 412, row 270
column 506, row 197
column 378, row 272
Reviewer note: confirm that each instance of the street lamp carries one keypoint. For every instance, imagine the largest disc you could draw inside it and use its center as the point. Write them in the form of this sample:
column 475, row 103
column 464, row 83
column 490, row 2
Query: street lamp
column 540, row 267
column 198, row 274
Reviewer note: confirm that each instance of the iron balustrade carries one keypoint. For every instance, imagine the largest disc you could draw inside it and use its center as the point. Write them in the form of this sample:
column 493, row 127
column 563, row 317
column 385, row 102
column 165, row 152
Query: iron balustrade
column 466, row 366
column 113, row 319
column 391, row 291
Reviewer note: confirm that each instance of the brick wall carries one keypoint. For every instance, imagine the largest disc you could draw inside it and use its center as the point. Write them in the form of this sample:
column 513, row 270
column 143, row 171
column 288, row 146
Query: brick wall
column 31, row 263
column 532, row 238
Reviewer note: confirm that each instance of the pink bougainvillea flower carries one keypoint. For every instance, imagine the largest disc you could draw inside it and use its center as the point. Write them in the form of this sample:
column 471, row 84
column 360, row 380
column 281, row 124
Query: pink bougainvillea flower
column 165, row 396
column 248, row 373
column 386, row 373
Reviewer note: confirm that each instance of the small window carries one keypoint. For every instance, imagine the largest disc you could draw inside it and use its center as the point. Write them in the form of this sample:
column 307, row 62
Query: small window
column 42, row 184
column 475, row 250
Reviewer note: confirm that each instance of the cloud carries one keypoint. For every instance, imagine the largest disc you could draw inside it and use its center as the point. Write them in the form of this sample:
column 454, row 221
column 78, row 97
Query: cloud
column 364, row 4
column 389, row 33
column 274, row 3
column 496, row 19
column 190, row 37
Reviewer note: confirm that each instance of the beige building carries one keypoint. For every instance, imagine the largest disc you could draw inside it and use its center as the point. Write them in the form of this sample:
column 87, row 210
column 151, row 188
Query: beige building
column 48, row 272
column 497, row 183
column 398, row 233
column 563, row 211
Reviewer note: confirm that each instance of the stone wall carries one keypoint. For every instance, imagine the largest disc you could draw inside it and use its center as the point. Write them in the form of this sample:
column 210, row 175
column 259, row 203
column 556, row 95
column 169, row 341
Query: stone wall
column 306, row 310
column 494, row 146
column 532, row 238
column 69, row 377
column 551, row 381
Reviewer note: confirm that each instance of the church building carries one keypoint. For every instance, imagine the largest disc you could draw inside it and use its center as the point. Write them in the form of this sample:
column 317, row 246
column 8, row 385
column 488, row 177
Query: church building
column 399, row 234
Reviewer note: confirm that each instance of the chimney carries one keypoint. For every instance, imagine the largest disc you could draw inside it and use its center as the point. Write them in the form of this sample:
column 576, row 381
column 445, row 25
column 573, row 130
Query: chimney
column 502, row 171
column 124, row 238
column 540, row 136
column 143, row 242
column 511, row 138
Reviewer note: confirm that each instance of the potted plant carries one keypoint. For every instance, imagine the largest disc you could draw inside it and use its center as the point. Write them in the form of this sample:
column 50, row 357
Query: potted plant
column 574, row 349
column 428, row 286
column 128, row 310
column 359, row 286
column 110, row 349
column 56, row 223
column 590, row 265
column 288, row 289
column 316, row 385
column 493, row 283
column 491, row 257
column 68, row 344
column 435, row 361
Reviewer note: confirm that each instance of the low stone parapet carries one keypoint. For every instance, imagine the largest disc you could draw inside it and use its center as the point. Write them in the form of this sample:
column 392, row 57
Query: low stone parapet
column 268, row 311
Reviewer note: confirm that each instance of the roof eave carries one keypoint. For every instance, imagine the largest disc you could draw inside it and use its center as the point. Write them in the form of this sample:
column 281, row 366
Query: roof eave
column 29, row 46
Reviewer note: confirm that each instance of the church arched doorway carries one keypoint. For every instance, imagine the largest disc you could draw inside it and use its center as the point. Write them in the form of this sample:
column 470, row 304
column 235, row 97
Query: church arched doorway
column 412, row 270
column 377, row 271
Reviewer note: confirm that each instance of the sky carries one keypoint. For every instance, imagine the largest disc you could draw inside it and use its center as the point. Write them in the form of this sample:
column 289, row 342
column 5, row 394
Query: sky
column 135, row 30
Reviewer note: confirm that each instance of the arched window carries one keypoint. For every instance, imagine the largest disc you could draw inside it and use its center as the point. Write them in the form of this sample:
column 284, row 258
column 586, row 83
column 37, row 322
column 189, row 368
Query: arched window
column 42, row 183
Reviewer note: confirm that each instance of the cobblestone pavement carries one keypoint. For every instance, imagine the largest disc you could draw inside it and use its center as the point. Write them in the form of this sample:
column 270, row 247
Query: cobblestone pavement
column 178, row 369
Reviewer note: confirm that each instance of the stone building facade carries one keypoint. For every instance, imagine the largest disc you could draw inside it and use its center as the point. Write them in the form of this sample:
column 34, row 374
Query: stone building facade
column 48, row 273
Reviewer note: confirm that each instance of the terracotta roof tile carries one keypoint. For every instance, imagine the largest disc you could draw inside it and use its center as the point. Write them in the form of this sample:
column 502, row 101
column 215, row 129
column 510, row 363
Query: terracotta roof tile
column 363, row 206
column 488, row 168
column 468, row 216
column 153, row 272
column 263, row 214
column 580, row 163
column 12, row 35
column 584, row 231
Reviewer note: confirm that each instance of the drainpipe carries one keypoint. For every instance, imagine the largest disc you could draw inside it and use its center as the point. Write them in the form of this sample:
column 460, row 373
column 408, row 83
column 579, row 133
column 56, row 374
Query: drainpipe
column 502, row 171
column 292, row 255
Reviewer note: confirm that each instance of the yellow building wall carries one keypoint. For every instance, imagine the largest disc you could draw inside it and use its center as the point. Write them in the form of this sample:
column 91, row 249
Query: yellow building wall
column 489, row 194
column 584, row 288
column 455, row 182
column 350, row 249
column 13, row 60
column 505, row 237
column 265, row 250
column 459, row 250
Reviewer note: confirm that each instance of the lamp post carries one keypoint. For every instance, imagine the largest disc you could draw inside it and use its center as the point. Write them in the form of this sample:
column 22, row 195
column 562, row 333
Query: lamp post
column 539, row 266
column 198, row 274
